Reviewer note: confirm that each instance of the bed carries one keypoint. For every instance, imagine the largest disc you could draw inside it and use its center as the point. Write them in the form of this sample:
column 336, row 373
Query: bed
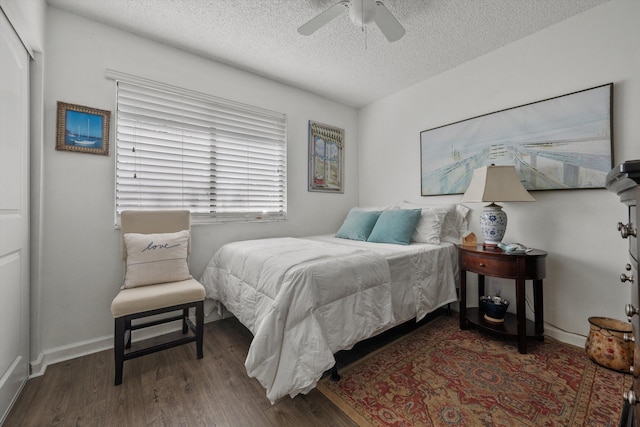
column 304, row 299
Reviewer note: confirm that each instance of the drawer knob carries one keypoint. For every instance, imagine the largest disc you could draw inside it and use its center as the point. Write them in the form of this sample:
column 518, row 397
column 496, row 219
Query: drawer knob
column 626, row 230
column 625, row 278
column 628, row 337
column 630, row 311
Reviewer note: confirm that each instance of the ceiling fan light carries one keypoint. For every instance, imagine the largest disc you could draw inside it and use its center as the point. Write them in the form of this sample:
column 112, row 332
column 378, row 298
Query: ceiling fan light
column 362, row 12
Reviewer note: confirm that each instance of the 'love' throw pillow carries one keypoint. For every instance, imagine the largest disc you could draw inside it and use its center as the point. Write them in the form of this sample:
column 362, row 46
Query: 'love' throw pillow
column 156, row 258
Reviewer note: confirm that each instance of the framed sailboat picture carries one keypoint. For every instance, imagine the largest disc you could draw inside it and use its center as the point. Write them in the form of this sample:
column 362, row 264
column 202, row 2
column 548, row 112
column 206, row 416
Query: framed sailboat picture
column 82, row 129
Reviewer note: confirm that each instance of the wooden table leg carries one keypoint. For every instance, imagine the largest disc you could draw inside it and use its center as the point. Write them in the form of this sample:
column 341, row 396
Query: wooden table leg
column 521, row 316
column 463, row 299
column 538, row 308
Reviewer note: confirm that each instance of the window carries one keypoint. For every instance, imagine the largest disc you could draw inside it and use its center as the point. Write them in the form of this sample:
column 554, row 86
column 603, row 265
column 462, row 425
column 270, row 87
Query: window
column 177, row 149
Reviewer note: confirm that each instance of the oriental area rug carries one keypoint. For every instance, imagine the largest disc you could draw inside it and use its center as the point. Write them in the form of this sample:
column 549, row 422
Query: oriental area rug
column 439, row 375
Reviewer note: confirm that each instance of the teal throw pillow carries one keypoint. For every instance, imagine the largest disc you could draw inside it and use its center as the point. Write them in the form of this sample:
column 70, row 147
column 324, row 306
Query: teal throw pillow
column 358, row 225
column 395, row 226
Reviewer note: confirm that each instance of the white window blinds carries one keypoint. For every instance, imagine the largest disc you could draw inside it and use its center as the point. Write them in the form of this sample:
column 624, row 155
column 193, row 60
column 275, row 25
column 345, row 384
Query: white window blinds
column 180, row 150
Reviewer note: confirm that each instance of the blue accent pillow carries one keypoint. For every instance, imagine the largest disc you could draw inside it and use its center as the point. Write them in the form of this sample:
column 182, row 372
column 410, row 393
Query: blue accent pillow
column 358, row 225
column 395, row 226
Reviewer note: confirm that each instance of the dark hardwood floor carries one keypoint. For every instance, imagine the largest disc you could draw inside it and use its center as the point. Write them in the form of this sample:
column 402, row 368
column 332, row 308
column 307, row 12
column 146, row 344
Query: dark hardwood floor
column 173, row 388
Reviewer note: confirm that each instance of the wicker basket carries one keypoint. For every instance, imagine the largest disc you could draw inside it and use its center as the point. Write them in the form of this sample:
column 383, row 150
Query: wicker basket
column 606, row 346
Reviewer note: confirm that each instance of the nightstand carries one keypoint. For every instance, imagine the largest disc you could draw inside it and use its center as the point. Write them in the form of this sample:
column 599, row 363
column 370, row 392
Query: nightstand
column 520, row 267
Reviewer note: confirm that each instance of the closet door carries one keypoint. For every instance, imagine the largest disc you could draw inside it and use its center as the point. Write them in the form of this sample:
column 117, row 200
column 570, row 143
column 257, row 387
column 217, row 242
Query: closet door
column 14, row 216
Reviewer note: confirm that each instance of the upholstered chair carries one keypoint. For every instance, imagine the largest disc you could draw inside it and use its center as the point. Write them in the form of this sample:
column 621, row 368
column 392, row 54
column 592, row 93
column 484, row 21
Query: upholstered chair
column 155, row 249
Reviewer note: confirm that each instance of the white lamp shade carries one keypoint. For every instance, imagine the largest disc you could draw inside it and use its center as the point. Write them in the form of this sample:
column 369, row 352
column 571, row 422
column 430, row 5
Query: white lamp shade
column 496, row 184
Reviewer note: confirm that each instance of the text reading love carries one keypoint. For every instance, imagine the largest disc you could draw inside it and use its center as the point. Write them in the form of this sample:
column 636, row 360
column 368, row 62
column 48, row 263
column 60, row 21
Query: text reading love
column 152, row 246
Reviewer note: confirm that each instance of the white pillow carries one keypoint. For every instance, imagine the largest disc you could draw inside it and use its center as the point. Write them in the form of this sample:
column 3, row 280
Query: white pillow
column 428, row 228
column 455, row 224
column 440, row 223
column 156, row 258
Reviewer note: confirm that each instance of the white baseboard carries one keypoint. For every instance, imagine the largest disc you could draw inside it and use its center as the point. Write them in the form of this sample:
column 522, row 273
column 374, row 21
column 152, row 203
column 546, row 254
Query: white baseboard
column 564, row 336
column 68, row 352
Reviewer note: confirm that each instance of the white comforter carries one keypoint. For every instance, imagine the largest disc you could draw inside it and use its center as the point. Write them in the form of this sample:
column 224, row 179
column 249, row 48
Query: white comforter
column 305, row 299
column 424, row 277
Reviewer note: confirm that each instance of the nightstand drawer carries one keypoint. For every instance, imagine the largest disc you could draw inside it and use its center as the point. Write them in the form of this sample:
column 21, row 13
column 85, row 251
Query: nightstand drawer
column 501, row 267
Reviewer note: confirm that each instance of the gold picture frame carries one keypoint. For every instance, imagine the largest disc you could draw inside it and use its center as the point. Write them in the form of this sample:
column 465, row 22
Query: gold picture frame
column 326, row 158
column 82, row 129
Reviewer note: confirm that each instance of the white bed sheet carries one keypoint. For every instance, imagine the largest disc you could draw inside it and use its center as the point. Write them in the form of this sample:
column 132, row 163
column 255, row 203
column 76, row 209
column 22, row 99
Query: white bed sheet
column 305, row 299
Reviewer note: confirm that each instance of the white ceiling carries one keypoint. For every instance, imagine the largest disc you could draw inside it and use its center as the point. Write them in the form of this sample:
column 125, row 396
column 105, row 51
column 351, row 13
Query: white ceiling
column 339, row 61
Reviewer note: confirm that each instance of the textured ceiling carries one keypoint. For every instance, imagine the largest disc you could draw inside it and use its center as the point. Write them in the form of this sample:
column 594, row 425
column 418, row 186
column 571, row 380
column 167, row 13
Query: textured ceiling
column 339, row 61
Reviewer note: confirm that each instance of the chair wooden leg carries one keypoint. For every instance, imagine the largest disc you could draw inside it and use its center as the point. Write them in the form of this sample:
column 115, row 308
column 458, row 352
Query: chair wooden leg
column 118, row 347
column 185, row 315
column 128, row 332
column 199, row 327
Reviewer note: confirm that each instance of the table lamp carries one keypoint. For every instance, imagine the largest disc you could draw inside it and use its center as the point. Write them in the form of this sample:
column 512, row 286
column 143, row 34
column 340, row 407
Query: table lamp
column 495, row 184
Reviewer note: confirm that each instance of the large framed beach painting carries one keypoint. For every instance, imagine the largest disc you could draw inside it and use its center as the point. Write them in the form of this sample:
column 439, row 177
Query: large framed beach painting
column 326, row 158
column 564, row 142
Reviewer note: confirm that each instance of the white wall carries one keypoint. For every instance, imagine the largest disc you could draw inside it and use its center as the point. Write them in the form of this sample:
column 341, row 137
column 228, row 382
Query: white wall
column 576, row 227
column 80, row 267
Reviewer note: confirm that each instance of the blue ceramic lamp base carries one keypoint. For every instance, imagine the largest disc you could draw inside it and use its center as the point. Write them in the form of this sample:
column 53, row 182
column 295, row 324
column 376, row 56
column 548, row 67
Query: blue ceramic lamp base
column 493, row 222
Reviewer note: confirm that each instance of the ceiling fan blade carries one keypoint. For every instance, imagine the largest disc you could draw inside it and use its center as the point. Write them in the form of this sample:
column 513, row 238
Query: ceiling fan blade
column 314, row 24
column 387, row 23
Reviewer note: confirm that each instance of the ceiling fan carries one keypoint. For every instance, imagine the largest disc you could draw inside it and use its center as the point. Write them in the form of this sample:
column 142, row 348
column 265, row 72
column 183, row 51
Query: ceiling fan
column 361, row 12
